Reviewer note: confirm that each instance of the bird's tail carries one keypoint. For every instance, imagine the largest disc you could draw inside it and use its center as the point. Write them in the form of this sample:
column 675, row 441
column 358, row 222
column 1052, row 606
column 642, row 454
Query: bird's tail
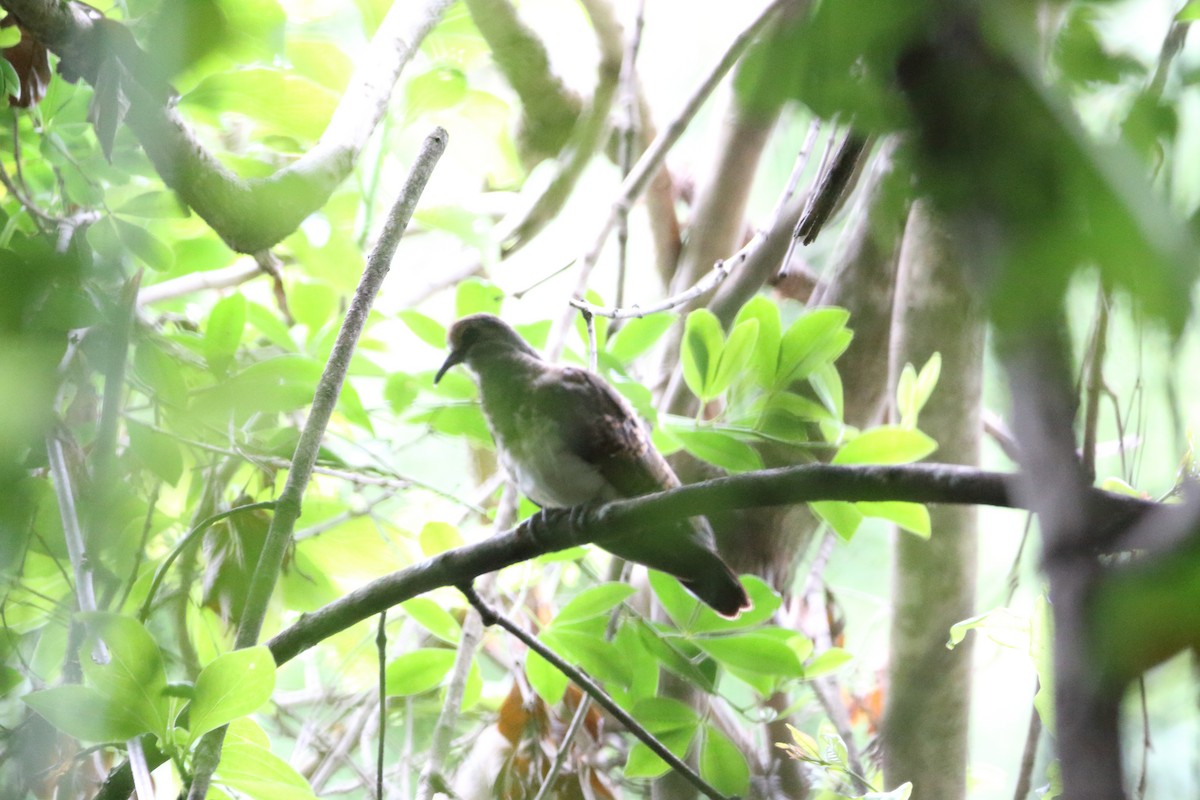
column 718, row 587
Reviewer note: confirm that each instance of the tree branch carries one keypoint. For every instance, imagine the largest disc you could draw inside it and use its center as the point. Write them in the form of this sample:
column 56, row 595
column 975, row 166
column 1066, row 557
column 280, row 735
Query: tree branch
column 920, row 483
column 287, row 506
column 249, row 214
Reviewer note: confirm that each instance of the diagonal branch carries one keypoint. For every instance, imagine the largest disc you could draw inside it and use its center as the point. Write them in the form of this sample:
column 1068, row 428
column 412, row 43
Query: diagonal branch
column 920, row 483
column 249, row 214
column 288, row 506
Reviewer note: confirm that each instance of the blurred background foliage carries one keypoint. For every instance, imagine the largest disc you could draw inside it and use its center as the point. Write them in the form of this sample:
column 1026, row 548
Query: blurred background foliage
column 174, row 403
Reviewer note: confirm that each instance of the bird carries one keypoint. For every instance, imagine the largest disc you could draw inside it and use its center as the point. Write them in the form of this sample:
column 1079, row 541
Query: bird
column 566, row 438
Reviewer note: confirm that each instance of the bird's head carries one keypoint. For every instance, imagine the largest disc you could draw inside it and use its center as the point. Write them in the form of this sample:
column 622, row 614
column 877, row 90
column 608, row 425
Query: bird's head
column 480, row 337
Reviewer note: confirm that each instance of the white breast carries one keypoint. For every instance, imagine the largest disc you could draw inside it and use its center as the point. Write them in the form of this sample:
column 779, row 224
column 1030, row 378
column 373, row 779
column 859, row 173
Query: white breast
column 550, row 475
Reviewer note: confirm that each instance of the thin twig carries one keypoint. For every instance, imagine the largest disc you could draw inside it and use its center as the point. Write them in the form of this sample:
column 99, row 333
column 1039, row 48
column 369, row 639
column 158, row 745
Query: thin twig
column 647, row 166
column 491, row 617
column 723, row 268
column 287, row 506
column 564, row 748
column 1029, row 754
column 439, row 743
column 629, row 126
column 223, row 278
column 161, row 572
column 381, row 651
column 85, row 592
column 1094, row 383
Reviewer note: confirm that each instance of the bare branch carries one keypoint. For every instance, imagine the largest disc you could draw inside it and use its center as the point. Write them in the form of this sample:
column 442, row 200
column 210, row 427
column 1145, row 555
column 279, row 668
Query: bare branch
column 287, row 507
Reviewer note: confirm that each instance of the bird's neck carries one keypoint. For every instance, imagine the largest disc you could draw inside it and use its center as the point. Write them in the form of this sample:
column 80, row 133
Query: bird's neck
column 505, row 375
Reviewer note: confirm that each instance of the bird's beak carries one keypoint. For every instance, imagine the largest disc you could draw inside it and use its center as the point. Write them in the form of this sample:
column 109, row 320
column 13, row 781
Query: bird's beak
column 455, row 357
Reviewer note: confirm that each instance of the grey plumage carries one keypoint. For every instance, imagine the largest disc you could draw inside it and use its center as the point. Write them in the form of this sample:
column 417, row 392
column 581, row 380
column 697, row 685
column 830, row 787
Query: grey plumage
column 567, row 438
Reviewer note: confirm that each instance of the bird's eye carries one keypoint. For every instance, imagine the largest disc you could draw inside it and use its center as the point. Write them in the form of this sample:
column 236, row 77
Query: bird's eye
column 468, row 338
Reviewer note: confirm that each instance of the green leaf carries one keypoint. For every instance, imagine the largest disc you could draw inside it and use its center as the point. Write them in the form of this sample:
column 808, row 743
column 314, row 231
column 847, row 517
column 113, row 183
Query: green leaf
column 591, row 651
column 672, row 723
column 887, row 444
column 9, row 37
column 148, row 248
column 270, row 325
column 702, row 345
column 1000, row 625
column 1119, row 486
column 282, row 102
column 9, row 679
column 826, row 662
column 457, row 420
column 160, row 454
column 232, row 685
column 734, row 355
column 912, row 517
column 282, row 383
column 591, row 603
column 433, row 618
column 754, row 652
column 439, row 88
column 134, row 677
column 927, row 380
column 642, row 761
column 764, row 602
column 418, row 671
column 681, row 606
column 1190, row 12
column 638, row 335
column 675, row 654
column 843, row 517
column 814, row 340
column 477, row 296
column 827, row 384
column 765, row 358
column 546, row 680
column 438, row 537
column 85, row 713
column 427, row 329
column 10, row 81
column 223, row 332
column 154, row 205
column 720, row 448
column 313, row 304
column 722, row 763
column 249, row 767
column 401, row 390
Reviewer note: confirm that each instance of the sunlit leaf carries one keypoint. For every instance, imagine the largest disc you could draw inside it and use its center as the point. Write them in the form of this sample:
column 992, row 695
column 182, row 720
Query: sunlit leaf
column 722, row 763
column 912, row 517
column 427, row 329
column 720, row 448
column 638, row 335
column 418, row 671
column 887, row 444
column 434, row 618
column 702, row 345
column 231, row 686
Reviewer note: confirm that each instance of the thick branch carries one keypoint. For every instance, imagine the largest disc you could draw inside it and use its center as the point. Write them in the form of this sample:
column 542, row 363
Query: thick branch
column 920, row 483
column 549, row 109
column 250, row 215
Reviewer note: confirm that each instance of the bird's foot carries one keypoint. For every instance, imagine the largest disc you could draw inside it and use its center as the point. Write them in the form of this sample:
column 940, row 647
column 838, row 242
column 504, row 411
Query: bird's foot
column 565, row 520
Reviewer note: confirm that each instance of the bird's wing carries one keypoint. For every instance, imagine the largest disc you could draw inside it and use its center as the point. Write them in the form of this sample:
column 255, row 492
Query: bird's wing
column 600, row 427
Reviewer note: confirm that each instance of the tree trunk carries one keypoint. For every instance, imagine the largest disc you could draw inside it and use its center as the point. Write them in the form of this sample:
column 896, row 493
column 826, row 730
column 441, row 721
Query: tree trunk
column 926, row 720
